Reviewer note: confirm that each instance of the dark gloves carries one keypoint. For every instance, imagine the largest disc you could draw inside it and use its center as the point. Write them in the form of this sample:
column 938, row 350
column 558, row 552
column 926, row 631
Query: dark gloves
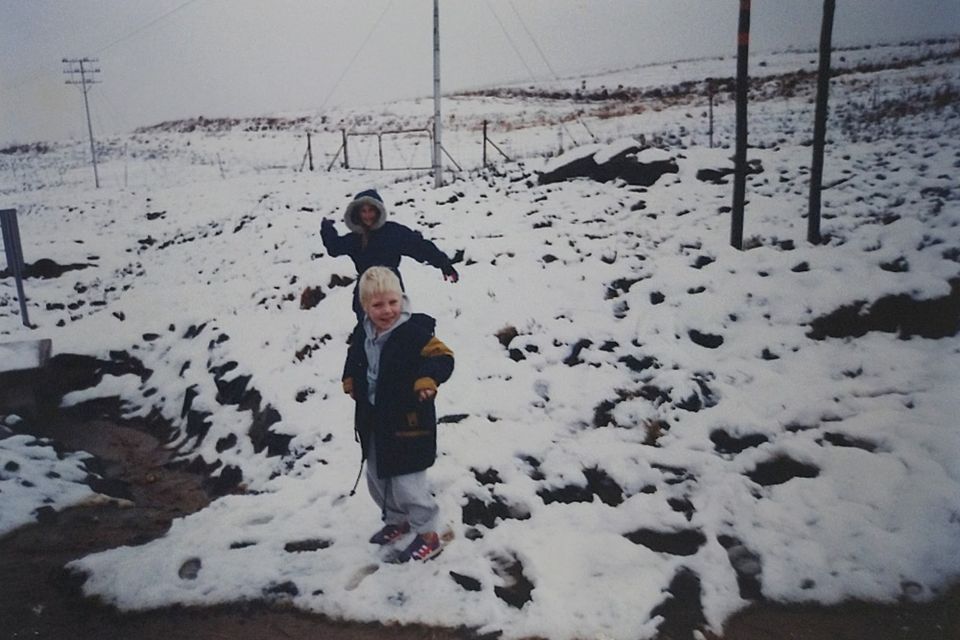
column 327, row 232
column 449, row 273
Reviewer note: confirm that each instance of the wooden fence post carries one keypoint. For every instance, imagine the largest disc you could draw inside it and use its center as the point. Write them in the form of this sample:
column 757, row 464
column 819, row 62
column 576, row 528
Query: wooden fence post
column 740, row 155
column 820, row 123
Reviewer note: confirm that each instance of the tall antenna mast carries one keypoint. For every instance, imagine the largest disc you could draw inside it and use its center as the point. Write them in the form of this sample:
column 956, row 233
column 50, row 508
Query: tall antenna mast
column 75, row 65
column 437, row 171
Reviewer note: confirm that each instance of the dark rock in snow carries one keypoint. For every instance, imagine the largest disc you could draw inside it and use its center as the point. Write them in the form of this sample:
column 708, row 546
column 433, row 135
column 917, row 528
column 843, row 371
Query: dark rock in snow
column 746, row 564
column 45, row 269
column 311, row 297
column 603, row 486
column 477, row 511
column 518, row 589
column 288, row 588
column 682, row 505
column 931, row 318
column 568, row 494
column 624, row 166
column 639, row 364
column 574, row 357
column 780, row 470
column 488, row 477
column 841, row 440
column 506, row 335
column 190, row 569
column 300, row 546
column 707, row 340
column 226, row 443
column 684, row 542
column 723, row 442
column 339, row 281
column 468, row 583
column 682, row 611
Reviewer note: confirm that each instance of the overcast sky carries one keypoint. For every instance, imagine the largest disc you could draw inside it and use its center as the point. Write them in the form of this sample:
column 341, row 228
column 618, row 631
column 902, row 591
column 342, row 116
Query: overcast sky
column 166, row 59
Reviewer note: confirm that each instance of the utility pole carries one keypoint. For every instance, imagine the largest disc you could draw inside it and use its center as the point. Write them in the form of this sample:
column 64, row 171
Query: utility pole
column 710, row 92
column 820, row 123
column 437, row 171
column 76, row 65
column 740, row 154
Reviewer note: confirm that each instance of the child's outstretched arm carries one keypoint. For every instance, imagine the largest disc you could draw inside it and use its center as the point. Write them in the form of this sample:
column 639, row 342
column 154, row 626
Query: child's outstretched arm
column 333, row 242
column 435, row 368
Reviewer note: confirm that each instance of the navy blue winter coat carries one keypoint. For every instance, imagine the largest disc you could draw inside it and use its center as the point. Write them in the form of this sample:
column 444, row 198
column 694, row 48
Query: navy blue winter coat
column 403, row 428
column 384, row 244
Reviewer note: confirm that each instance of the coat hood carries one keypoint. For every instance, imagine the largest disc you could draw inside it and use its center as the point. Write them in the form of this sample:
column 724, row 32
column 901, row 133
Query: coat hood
column 351, row 215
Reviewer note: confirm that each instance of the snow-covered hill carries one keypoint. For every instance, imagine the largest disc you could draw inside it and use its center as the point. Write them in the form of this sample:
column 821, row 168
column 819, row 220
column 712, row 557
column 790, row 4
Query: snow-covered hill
column 639, row 412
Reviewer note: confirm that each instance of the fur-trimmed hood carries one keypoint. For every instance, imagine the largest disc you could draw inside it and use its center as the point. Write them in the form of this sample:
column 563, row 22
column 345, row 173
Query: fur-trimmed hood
column 350, row 216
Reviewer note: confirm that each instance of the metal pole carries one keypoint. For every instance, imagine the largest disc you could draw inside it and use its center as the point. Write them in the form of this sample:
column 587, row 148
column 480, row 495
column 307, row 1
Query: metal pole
column 309, row 151
column 346, row 160
column 484, row 143
column 710, row 91
column 740, row 155
column 11, row 244
column 820, row 123
column 437, row 171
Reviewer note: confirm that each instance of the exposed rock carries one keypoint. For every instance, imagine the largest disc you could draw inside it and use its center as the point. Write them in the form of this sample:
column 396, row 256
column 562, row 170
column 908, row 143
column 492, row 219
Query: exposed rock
column 931, row 318
column 780, row 470
column 624, row 165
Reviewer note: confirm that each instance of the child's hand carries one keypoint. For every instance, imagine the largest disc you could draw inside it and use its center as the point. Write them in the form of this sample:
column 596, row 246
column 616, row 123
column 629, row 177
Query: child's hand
column 426, row 394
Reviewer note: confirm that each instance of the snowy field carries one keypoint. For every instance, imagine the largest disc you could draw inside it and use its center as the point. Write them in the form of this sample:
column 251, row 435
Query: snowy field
column 637, row 409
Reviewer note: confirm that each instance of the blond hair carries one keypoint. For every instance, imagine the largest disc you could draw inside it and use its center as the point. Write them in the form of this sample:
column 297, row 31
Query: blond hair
column 376, row 280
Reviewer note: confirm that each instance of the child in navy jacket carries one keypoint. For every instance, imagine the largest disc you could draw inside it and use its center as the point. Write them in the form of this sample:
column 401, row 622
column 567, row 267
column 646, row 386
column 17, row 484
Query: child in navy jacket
column 375, row 241
column 393, row 368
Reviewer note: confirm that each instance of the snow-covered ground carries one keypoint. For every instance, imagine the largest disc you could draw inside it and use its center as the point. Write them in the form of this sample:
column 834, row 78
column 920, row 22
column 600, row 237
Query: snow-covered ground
column 669, row 407
column 34, row 478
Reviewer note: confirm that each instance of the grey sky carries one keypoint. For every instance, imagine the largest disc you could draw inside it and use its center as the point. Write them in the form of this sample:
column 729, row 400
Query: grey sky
column 166, row 59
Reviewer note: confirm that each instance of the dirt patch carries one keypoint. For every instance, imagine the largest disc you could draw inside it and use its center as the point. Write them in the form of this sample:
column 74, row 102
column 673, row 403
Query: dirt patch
column 40, row 599
column 939, row 620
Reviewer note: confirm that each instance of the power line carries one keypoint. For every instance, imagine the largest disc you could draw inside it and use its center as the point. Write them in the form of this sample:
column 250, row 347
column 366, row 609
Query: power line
column 522, row 60
column 545, row 61
column 510, row 40
column 37, row 74
column 336, row 84
column 533, row 40
column 146, row 26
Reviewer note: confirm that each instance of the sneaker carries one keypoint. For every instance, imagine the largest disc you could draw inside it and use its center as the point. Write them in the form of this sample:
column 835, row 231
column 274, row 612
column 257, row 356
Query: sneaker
column 423, row 547
column 390, row 533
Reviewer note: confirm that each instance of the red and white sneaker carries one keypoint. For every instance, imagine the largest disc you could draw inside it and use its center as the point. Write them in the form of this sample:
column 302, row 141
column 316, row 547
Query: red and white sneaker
column 390, row 533
column 423, row 547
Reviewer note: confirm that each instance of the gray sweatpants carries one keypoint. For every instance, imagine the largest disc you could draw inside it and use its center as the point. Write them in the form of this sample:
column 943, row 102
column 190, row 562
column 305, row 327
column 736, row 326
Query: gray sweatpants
column 405, row 498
